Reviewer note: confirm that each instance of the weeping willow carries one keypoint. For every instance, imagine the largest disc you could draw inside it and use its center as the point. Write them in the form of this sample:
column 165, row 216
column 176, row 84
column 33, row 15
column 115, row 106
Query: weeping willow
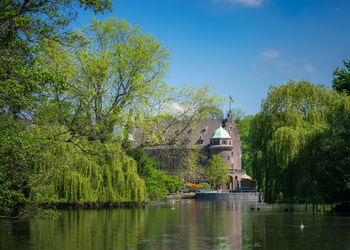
column 67, row 174
column 283, row 136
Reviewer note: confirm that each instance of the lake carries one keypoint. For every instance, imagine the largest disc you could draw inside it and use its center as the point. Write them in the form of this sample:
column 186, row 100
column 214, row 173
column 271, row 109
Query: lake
column 185, row 225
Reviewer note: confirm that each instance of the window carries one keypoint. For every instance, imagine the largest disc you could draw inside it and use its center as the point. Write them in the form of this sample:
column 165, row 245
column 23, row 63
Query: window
column 232, row 153
column 200, row 140
column 228, row 158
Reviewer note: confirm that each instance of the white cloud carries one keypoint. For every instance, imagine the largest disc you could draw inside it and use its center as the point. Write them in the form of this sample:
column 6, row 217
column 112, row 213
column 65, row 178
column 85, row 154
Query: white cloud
column 309, row 68
column 271, row 53
column 248, row 3
column 172, row 107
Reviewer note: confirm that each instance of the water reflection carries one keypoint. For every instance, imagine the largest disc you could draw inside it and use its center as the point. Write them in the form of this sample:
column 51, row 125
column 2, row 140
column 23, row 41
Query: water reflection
column 191, row 225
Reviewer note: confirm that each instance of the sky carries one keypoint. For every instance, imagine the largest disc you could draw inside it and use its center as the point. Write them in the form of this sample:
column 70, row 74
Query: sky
column 242, row 47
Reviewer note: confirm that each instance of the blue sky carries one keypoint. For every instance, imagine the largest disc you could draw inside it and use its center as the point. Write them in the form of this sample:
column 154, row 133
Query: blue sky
column 241, row 47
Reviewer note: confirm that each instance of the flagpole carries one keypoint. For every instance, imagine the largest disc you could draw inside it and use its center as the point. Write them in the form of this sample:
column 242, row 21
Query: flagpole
column 229, row 103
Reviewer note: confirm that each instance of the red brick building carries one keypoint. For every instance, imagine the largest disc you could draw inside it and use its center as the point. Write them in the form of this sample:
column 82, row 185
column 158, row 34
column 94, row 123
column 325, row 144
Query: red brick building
column 210, row 137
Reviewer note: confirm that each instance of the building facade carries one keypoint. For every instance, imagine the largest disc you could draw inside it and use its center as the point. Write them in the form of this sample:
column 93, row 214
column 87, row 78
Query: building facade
column 208, row 137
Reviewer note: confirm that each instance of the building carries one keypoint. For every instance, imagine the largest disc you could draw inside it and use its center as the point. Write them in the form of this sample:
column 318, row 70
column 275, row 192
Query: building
column 209, row 137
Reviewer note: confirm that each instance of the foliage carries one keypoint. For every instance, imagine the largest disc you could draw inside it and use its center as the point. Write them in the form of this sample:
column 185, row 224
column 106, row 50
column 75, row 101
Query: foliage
column 243, row 126
column 65, row 95
column 17, row 153
column 215, row 113
column 190, row 168
column 293, row 138
column 34, row 170
column 205, row 185
column 23, row 25
column 341, row 78
column 238, row 114
column 173, row 183
column 216, row 171
column 172, row 112
column 158, row 184
column 109, row 74
column 66, row 174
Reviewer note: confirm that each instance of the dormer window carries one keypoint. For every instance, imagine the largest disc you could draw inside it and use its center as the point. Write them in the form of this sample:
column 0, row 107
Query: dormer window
column 200, row 140
column 204, row 130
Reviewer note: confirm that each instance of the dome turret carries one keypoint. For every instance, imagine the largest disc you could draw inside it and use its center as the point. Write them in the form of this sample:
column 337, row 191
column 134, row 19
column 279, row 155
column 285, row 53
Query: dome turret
column 220, row 133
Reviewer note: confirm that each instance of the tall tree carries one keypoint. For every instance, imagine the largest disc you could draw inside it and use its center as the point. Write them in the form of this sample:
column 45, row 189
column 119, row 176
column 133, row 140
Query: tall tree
column 23, row 25
column 243, row 126
column 216, row 171
column 190, row 169
column 287, row 135
column 341, row 78
column 115, row 69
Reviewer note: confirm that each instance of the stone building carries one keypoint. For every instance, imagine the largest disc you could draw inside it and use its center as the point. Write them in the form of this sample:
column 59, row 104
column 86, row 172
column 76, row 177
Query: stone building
column 209, row 137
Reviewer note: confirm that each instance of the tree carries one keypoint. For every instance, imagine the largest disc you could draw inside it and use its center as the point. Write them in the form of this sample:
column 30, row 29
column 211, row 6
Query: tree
column 216, row 171
column 158, row 184
column 243, row 126
column 190, row 169
column 341, row 78
column 215, row 113
column 22, row 29
column 175, row 112
column 24, row 24
column 109, row 75
column 293, row 138
column 238, row 114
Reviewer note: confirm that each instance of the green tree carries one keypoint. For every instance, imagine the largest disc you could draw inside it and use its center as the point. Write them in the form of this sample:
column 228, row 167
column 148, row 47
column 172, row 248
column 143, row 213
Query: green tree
column 158, row 184
column 109, row 74
column 175, row 112
column 216, row 171
column 295, row 124
column 190, row 169
column 243, row 126
column 24, row 24
column 341, row 78
column 22, row 29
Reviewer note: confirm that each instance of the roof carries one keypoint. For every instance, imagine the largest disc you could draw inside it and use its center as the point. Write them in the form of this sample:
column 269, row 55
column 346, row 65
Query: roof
column 220, row 133
column 198, row 130
column 245, row 176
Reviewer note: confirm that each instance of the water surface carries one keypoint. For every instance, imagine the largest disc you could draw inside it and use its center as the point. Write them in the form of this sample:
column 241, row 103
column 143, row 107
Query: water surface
column 186, row 225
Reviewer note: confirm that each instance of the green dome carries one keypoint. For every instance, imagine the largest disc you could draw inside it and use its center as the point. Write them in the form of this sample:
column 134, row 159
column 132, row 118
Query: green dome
column 245, row 176
column 220, row 133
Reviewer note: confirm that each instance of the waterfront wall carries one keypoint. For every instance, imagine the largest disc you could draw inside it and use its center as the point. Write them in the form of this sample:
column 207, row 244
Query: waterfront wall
column 235, row 195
